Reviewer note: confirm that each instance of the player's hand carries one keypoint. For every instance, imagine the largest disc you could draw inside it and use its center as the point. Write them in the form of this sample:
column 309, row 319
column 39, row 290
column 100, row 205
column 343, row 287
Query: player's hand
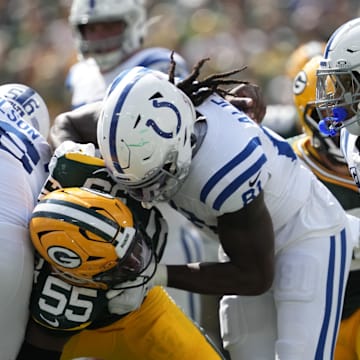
column 71, row 164
column 129, row 298
column 69, row 146
column 249, row 98
column 124, row 301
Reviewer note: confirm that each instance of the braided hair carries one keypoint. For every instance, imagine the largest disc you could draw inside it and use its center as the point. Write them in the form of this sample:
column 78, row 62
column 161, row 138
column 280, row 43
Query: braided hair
column 197, row 90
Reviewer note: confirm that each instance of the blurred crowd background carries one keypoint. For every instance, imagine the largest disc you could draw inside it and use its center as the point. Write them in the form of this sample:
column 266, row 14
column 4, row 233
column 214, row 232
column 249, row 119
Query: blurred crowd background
column 36, row 44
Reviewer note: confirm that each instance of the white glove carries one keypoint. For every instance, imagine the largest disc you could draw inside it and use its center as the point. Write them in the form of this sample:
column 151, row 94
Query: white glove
column 126, row 300
column 69, row 146
column 66, row 147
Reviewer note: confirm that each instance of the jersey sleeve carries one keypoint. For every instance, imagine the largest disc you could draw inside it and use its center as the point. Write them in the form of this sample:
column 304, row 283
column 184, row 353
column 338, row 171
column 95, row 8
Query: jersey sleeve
column 239, row 180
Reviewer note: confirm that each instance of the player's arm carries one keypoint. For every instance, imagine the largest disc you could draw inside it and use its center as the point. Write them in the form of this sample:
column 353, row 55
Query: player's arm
column 78, row 125
column 247, row 237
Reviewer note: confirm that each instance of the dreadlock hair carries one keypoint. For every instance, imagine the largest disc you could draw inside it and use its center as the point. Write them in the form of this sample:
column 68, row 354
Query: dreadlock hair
column 198, row 91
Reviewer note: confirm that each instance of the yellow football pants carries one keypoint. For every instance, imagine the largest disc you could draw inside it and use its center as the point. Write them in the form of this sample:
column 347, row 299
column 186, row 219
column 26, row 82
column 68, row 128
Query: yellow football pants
column 158, row 330
column 348, row 342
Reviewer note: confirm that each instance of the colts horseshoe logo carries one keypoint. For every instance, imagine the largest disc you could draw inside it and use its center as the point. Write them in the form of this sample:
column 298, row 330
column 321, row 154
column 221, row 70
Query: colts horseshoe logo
column 151, row 123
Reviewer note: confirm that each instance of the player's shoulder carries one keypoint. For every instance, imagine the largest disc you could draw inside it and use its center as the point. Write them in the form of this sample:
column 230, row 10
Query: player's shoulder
column 83, row 66
column 158, row 58
column 85, row 82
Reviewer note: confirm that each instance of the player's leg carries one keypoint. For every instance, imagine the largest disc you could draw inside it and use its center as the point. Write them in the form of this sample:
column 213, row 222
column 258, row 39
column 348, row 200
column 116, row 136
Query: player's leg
column 308, row 289
column 248, row 326
column 159, row 330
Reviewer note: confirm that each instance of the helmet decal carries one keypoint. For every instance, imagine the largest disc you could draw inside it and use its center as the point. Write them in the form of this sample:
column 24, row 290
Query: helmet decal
column 29, row 105
column 64, row 257
column 151, row 123
column 300, row 83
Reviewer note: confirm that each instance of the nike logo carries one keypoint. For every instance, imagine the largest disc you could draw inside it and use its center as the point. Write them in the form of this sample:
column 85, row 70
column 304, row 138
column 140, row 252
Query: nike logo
column 253, row 182
column 53, row 323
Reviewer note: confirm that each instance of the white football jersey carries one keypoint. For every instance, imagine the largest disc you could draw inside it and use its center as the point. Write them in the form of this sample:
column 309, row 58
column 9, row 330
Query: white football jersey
column 24, row 159
column 245, row 159
column 24, row 155
column 87, row 84
column 351, row 153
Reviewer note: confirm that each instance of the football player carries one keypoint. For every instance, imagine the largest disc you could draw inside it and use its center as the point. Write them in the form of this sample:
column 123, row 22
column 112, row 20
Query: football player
column 24, row 158
column 286, row 241
column 109, row 36
column 90, row 248
column 322, row 154
column 337, row 101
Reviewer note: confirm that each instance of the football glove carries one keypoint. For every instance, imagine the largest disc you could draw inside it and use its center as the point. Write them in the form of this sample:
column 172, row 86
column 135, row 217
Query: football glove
column 70, row 166
column 131, row 298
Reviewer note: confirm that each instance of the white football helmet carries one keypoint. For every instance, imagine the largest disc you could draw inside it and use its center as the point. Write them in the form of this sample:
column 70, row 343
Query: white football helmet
column 338, row 81
column 144, row 133
column 111, row 51
column 304, row 90
column 29, row 104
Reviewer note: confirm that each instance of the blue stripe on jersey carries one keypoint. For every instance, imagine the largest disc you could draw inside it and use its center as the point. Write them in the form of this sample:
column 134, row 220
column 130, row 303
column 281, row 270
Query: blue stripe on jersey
column 162, row 56
column 153, row 58
column 221, row 173
column 329, row 294
column 344, row 139
column 20, row 145
column 234, row 185
column 342, row 282
column 117, row 110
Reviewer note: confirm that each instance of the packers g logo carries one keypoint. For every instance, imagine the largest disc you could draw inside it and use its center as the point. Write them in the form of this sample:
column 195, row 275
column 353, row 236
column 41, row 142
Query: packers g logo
column 64, row 257
column 300, row 82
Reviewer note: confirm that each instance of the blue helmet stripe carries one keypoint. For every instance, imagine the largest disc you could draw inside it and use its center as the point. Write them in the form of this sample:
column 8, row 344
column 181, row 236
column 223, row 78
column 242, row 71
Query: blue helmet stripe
column 117, row 109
